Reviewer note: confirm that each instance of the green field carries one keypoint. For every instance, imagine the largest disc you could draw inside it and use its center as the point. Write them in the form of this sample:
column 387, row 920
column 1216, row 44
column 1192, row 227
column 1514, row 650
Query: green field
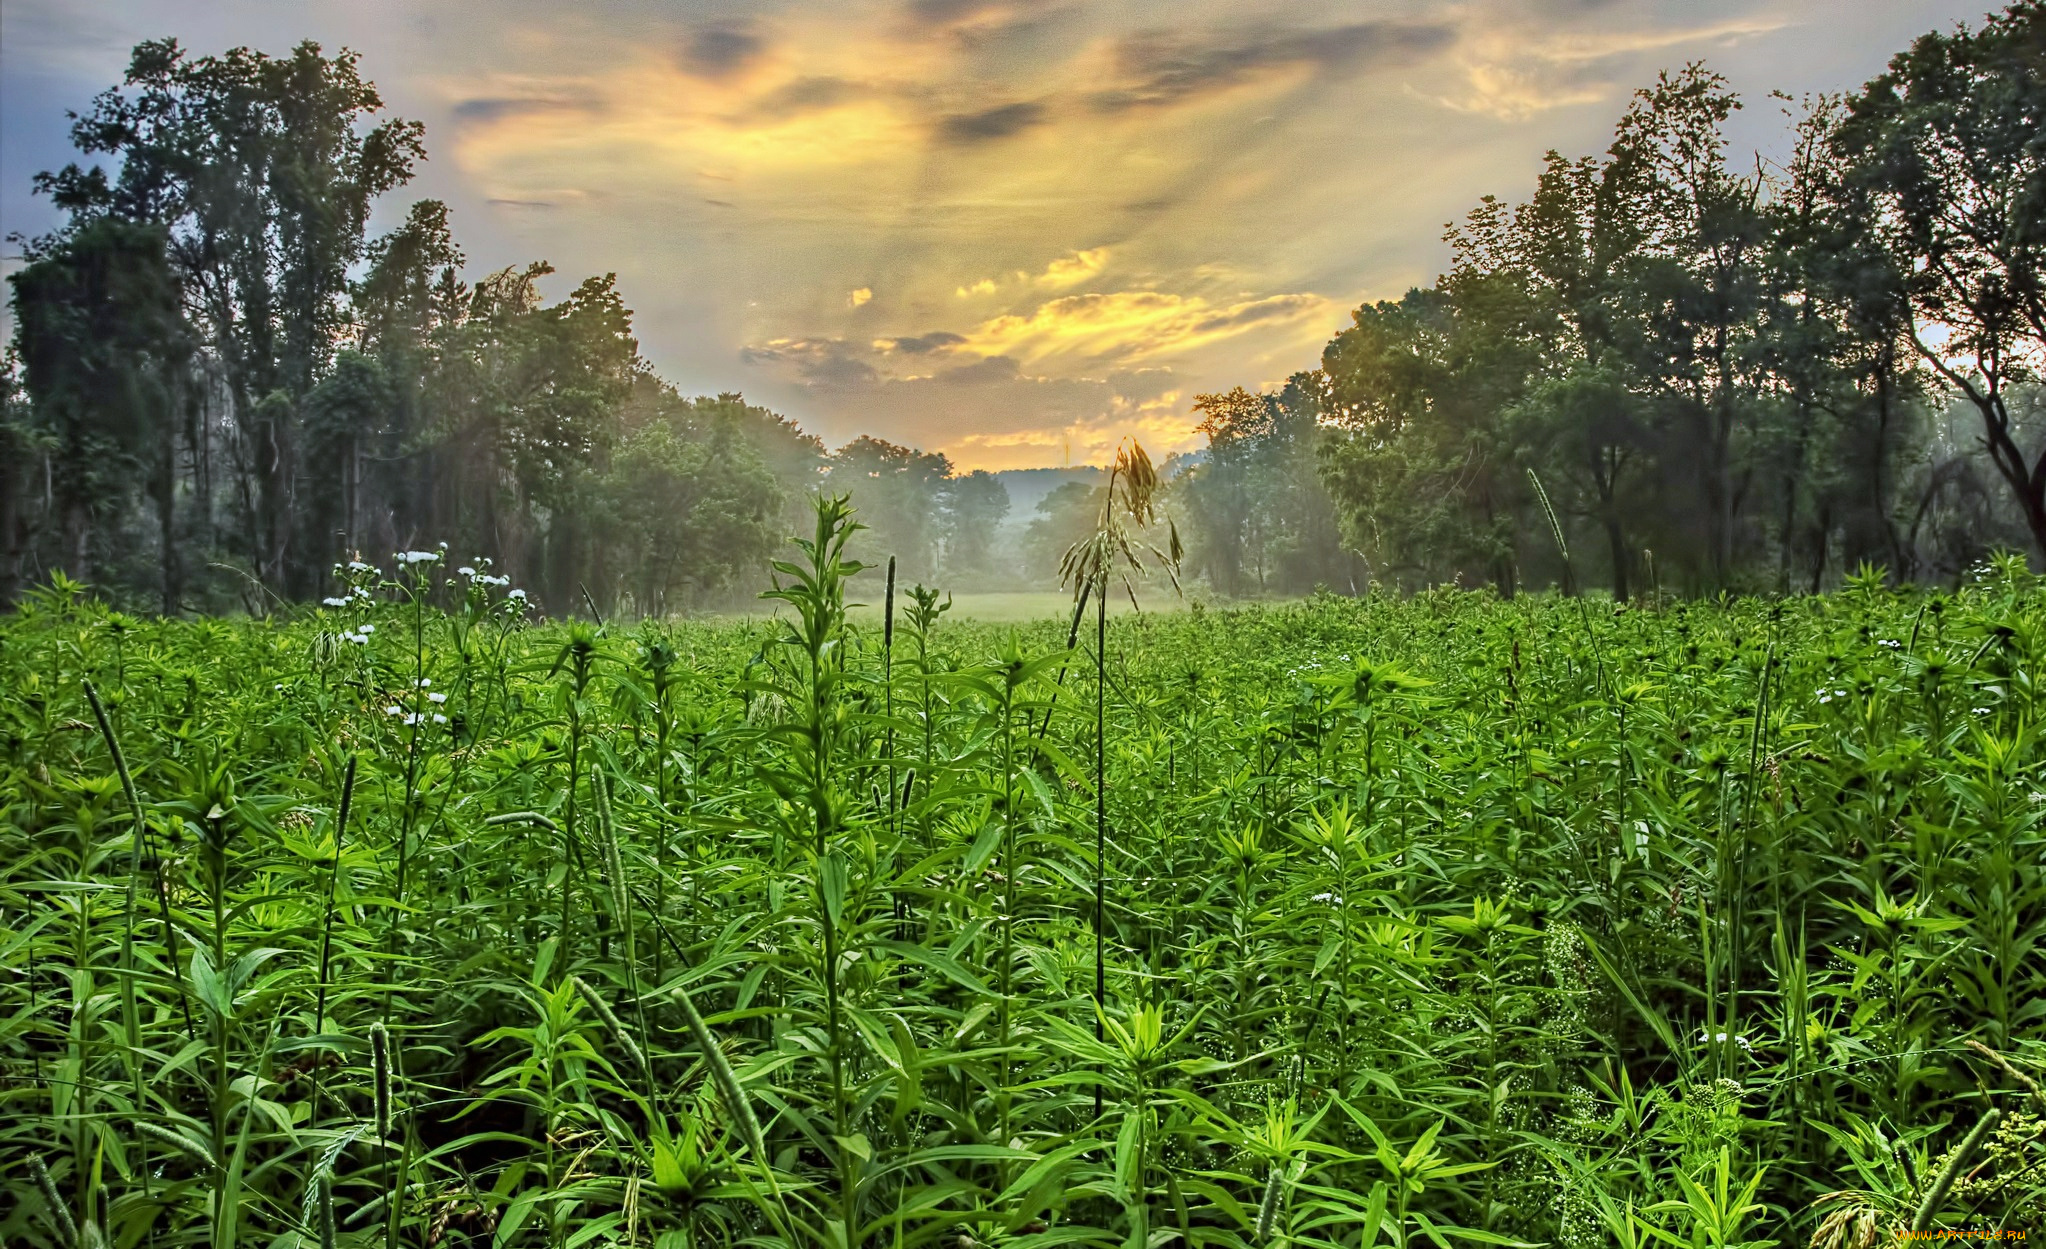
column 1436, row 921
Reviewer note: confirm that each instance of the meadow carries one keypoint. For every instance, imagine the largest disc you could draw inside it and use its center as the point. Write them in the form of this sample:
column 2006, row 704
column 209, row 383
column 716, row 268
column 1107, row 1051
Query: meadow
column 408, row 920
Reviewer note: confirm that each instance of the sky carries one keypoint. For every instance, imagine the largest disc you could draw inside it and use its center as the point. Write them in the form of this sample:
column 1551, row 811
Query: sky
column 1013, row 231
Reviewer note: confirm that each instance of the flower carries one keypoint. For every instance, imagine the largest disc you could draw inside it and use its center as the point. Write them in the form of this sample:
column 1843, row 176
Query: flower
column 417, row 557
column 436, row 697
column 439, row 719
column 334, row 602
column 1721, row 1038
column 466, row 571
column 366, row 630
column 394, row 710
column 425, row 681
column 517, row 594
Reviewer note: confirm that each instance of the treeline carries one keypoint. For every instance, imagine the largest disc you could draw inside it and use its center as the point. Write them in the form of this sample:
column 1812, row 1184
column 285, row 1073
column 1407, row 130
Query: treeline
column 221, row 385
column 1722, row 377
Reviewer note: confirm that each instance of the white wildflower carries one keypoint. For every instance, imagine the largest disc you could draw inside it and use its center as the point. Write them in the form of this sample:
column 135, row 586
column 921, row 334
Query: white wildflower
column 439, row 719
column 436, row 697
column 466, row 571
column 334, row 602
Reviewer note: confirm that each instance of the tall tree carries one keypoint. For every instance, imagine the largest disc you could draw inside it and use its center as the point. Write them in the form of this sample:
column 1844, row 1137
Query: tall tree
column 971, row 507
column 1256, row 504
column 104, row 358
column 263, row 170
column 897, row 491
column 1950, row 175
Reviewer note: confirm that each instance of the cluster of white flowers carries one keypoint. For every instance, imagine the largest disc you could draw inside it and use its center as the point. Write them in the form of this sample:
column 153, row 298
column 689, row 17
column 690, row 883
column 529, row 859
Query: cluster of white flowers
column 409, row 718
column 1721, row 1038
column 1827, row 696
column 1892, row 643
column 417, row 557
column 482, row 578
column 520, row 595
column 359, row 635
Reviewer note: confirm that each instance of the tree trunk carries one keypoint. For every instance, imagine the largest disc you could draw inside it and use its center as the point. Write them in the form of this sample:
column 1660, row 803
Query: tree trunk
column 163, row 490
column 1618, row 542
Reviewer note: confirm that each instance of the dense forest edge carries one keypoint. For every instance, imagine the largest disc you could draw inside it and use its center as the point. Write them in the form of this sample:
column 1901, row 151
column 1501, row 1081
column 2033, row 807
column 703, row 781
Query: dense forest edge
column 1722, row 376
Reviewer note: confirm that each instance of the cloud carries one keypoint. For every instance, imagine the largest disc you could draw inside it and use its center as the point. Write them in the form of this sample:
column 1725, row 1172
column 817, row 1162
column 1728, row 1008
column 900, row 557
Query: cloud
column 805, row 95
column 973, row 23
column 921, row 344
column 490, row 109
column 825, row 363
column 722, row 50
column 1162, row 69
column 1079, row 370
column 999, row 122
column 1070, row 269
column 1073, row 269
column 981, row 371
column 1512, row 75
column 1130, row 326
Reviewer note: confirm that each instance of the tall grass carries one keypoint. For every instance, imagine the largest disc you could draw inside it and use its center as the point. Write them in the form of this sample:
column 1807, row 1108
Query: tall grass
column 1437, row 921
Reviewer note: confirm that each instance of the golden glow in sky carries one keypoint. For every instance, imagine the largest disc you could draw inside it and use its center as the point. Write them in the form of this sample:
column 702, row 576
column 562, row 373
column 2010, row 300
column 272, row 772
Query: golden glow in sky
column 996, row 228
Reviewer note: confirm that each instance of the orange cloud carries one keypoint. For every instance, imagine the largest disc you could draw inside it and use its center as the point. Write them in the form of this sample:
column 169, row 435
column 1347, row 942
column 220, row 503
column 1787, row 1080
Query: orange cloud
column 1128, row 327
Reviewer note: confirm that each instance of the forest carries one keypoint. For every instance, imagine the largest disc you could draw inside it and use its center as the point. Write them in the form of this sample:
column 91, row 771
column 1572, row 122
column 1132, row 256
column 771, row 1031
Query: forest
column 1724, row 376
column 1564, row 772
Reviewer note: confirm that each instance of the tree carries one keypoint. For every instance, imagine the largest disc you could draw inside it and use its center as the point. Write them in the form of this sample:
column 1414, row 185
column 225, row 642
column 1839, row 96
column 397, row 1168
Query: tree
column 688, row 508
column 1420, row 463
column 525, row 401
column 263, row 171
column 1256, row 503
column 104, row 354
column 1949, row 174
column 970, row 509
column 897, row 492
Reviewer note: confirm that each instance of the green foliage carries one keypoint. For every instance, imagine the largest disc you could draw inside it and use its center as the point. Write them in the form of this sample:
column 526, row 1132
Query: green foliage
column 1423, row 922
